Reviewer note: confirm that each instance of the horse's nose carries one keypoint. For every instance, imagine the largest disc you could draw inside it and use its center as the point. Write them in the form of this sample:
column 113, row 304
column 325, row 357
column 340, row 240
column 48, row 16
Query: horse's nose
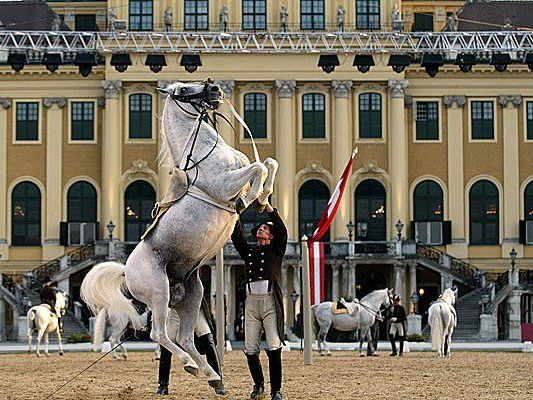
column 215, row 88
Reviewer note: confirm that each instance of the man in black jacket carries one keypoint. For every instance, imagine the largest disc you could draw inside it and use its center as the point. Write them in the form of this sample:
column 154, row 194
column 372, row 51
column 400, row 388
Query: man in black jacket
column 397, row 321
column 264, row 304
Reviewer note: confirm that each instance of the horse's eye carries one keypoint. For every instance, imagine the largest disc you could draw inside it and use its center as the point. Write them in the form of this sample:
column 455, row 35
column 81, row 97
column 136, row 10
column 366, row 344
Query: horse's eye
column 183, row 90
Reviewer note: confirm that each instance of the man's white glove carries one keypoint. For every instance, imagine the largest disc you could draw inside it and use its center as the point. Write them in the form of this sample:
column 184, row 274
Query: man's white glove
column 393, row 319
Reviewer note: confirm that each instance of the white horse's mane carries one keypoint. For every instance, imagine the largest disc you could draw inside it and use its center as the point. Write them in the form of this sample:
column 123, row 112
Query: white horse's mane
column 448, row 296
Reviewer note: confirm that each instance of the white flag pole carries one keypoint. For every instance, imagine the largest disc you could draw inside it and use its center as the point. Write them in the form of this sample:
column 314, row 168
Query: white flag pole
column 306, row 293
column 219, row 307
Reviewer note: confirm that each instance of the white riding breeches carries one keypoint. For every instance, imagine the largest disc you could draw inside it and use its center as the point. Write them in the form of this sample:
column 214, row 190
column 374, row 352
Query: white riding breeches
column 173, row 325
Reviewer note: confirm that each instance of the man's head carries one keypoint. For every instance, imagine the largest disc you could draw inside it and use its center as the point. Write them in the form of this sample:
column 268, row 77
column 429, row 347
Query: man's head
column 264, row 232
column 396, row 299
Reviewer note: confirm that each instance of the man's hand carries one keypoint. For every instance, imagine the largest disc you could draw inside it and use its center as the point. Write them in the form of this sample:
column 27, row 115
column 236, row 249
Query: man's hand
column 269, row 208
column 393, row 319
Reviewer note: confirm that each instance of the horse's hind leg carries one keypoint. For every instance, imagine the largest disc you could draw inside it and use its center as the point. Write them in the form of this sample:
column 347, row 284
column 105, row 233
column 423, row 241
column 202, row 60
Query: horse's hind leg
column 29, row 340
column 322, row 346
column 46, row 342
column 39, row 337
column 188, row 316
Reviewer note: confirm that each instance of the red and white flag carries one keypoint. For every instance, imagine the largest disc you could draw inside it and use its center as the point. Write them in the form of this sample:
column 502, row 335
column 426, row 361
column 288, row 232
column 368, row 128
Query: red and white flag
column 316, row 248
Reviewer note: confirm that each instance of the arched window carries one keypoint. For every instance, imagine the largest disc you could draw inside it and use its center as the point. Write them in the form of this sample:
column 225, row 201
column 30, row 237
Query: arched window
column 484, row 213
column 370, row 116
column 312, row 200
column 428, row 202
column 141, row 15
column 255, row 114
column 314, row 116
column 26, row 215
column 528, row 202
column 81, row 202
column 139, row 200
column 370, row 211
column 140, row 126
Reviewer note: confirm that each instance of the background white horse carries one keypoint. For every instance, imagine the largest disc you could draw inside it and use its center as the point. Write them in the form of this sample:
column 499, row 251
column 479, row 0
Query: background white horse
column 443, row 319
column 41, row 319
column 118, row 327
column 164, row 266
column 362, row 316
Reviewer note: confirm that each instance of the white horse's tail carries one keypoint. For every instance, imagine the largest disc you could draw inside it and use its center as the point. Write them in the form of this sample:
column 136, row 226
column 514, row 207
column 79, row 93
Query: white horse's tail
column 103, row 288
column 99, row 330
column 316, row 326
column 437, row 328
column 31, row 319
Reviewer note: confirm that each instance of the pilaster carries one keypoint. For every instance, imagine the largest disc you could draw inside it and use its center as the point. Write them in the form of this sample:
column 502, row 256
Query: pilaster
column 412, row 286
column 399, row 281
column 286, row 154
column 5, row 104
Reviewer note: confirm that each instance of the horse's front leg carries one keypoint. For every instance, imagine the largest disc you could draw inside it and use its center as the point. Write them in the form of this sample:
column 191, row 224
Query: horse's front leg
column 236, row 180
column 370, row 345
column 29, row 340
column 58, row 331
column 361, row 341
column 268, row 187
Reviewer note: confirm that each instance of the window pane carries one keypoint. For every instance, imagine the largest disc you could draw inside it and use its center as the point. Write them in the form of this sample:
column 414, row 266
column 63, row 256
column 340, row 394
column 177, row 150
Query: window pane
column 196, row 14
column 529, row 127
column 26, row 215
column 370, row 115
column 484, row 213
column 314, row 118
column 312, row 14
column 82, row 116
column 312, row 197
column 367, row 14
column 482, row 120
column 139, row 200
column 140, row 116
column 27, row 115
column 427, row 120
column 140, row 15
column 81, row 203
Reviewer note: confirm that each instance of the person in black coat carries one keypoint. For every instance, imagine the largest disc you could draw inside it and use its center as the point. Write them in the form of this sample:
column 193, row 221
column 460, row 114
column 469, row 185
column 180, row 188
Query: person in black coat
column 397, row 325
column 264, row 301
column 48, row 295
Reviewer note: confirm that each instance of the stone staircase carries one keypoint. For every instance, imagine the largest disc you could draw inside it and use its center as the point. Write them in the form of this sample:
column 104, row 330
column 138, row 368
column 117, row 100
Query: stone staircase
column 468, row 310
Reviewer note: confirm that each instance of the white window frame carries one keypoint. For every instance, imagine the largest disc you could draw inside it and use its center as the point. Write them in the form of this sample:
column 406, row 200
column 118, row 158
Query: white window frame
column 439, row 110
column 95, row 121
column 495, row 111
column 427, row 227
column 39, row 122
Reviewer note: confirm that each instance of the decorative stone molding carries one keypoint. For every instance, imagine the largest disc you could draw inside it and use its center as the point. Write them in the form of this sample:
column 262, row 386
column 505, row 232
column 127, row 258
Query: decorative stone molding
column 285, row 89
column 256, row 86
column 397, row 87
column 140, row 170
column 6, row 103
column 341, row 89
column 408, row 101
column 514, row 100
column 50, row 101
column 112, row 89
column 101, row 102
column 313, row 169
column 459, row 101
column 371, row 167
column 139, row 87
column 226, row 86
column 364, row 87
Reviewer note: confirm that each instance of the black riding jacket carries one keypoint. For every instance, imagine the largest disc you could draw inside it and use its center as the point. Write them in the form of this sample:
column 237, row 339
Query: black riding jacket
column 399, row 313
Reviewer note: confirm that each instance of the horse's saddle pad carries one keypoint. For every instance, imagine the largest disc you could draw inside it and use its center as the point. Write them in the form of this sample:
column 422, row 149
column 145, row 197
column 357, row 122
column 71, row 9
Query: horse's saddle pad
column 179, row 185
column 338, row 308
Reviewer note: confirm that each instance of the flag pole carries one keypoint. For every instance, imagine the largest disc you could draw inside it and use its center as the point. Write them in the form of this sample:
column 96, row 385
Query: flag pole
column 306, row 293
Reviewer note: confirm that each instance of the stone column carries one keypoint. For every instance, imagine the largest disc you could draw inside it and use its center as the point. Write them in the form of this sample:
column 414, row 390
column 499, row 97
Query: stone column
column 2, row 320
column 225, row 130
column 513, row 313
column 22, row 327
column 456, row 195
column 54, row 184
column 446, row 281
column 488, row 327
column 286, row 154
column 398, row 154
column 164, row 170
column 353, row 280
column 399, row 281
column 511, row 176
column 345, row 280
column 342, row 150
column 335, row 283
column 412, row 286
column 229, row 292
column 112, row 157
column 5, row 104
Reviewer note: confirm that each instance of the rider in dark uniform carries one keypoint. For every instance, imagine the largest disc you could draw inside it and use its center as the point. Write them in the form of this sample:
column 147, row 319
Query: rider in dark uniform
column 397, row 325
column 264, row 304
column 48, row 295
column 204, row 339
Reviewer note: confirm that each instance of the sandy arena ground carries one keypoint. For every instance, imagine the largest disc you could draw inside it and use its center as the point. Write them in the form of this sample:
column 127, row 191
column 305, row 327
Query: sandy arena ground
column 466, row 375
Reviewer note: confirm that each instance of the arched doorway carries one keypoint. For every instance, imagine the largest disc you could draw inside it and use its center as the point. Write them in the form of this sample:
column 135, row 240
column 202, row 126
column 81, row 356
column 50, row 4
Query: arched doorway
column 312, row 200
column 81, row 214
column 370, row 211
column 139, row 199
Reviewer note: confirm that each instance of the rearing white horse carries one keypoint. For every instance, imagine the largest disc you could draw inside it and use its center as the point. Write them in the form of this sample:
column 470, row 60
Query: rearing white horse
column 41, row 318
column 164, row 266
column 443, row 319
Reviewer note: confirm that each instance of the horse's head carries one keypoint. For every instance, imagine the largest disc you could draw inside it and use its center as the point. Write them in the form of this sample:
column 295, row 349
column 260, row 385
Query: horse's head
column 201, row 95
column 387, row 300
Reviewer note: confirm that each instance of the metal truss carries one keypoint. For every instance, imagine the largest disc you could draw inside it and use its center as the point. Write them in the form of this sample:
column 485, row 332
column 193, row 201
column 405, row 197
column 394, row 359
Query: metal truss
column 290, row 42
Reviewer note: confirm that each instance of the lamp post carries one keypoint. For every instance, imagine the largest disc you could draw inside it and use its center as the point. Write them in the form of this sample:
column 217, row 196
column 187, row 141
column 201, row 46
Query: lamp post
column 294, row 298
column 399, row 229
column 351, row 251
column 350, row 226
column 513, row 254
column 110, row 228
column 414, row 299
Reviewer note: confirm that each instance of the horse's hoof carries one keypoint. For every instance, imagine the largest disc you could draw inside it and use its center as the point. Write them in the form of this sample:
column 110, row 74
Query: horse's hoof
column 47, row 355
column 328, row 354
column 191, row 370
column 38, row 355
column 361, row 355
column 61, row 353
column 218, row 385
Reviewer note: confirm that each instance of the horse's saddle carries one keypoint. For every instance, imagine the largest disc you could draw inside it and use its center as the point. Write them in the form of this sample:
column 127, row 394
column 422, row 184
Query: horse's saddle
column 338, row 308
column 52, row 311
column 179, row 185
column 344, row 307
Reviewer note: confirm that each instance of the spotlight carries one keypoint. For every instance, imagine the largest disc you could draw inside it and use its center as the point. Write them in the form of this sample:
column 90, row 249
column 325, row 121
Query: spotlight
column 17, row 61
column 328, row 62
column 191, row 62
column 85, row 63
column 363, row 62
column 500, row 61
column 399, row 62
column 52, row 61
column 465, row 61
column 120, row 61
column 156, row 62
column 528, row 59
column 432, row 62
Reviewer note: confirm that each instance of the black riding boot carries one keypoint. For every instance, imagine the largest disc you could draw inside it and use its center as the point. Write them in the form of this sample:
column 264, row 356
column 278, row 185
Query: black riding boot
column 275, row 371
column 208, row 343
column 393, row 345
column 257, row 375
column 402, row 338
column 165, row 362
